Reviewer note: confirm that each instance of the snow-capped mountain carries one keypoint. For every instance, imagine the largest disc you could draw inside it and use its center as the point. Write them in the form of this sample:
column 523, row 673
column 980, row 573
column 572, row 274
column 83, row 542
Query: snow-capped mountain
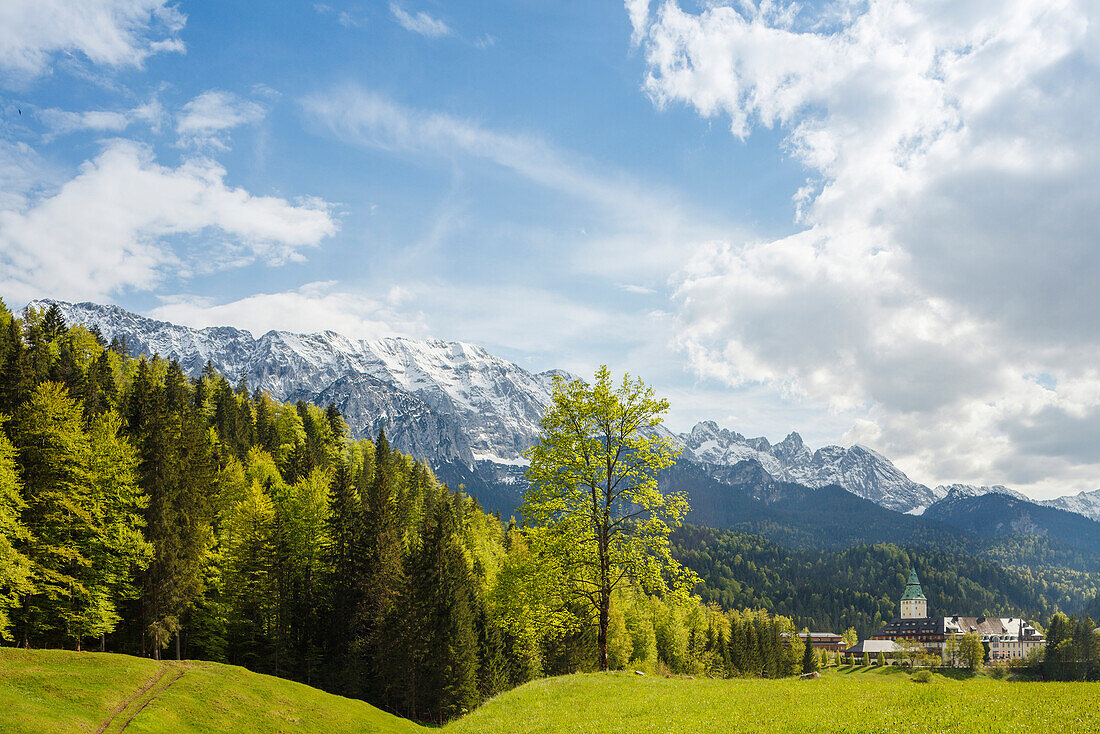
column 442, row 401
column 472, row 414
column 970, row 490
column 1083, row 503
column 858, row 469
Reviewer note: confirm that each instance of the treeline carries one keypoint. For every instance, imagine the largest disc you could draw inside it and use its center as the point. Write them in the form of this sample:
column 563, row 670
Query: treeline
column 148, row 512
column 1072, row 651
column 858, row 587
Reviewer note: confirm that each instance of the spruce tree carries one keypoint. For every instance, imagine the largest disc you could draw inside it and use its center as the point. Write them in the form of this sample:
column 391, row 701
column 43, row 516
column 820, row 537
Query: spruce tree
column 447, row 669
column 384, row 578
column 343, row 561
column 809, row 657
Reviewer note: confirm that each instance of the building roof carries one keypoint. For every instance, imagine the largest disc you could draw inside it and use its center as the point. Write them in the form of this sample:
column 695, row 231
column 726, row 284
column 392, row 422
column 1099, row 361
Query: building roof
column 1012, row 627
column 912, row 588
column 872, row 647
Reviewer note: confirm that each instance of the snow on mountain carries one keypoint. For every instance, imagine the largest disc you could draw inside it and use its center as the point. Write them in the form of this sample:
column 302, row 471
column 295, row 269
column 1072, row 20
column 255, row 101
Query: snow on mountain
column 857, row 469
column 970, row 490
column 1083, row 503
column 441, row 401
column 454, row 403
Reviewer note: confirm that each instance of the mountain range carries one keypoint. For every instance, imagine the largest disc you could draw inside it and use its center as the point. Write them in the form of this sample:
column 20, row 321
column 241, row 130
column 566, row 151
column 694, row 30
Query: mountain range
column 471, row 414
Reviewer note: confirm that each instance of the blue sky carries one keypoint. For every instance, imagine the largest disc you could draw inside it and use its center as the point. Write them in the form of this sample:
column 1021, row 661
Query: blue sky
column 865, row 221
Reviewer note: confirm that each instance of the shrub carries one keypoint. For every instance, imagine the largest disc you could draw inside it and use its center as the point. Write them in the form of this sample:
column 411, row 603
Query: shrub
column 922, row 676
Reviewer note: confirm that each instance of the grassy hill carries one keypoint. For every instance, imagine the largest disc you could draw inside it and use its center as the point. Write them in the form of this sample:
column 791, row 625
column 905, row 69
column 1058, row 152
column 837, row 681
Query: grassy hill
column 58, row 691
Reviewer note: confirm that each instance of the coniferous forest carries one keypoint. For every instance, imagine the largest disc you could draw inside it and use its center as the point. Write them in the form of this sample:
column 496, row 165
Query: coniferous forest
column 147, row 512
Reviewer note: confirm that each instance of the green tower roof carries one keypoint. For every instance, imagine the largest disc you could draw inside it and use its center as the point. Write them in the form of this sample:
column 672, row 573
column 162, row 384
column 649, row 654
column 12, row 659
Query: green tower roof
column 912, row 587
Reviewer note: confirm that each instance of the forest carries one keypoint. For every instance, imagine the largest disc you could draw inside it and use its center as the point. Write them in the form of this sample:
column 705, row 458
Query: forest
column 831, row 590
column 148, row 512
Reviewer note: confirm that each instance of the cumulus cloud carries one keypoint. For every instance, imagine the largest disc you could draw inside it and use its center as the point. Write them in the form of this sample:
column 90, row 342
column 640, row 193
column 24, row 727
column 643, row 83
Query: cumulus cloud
column 950, row 226
column 420, row 22
column 113, row 33
column 124, row 220
column 208, row 117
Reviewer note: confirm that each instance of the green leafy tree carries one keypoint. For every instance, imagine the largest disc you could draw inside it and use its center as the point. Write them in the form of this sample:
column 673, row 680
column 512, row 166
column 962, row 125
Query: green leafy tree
column 593, row 484
column 951, row 656
column 118, row 550
column 850, row 637
column 15, row 567
column 971, row 652
column 54, row 455
column 881, row 659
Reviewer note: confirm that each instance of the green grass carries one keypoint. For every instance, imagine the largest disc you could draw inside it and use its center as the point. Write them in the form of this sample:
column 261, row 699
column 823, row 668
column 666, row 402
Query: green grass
column 859, row 700
column 56, row 691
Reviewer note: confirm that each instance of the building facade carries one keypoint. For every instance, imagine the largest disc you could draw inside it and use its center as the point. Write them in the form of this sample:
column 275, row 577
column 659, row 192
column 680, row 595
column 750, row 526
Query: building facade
column 1006, row 638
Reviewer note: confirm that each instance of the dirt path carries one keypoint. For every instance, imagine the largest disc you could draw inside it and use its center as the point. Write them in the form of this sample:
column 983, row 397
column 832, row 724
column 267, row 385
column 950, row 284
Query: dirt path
column 142, row 698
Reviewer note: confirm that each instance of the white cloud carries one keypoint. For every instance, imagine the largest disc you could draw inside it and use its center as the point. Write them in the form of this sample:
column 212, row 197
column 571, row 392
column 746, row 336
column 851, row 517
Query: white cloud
column 514, row 321
column 420, row 22
column 209, row 116
column 313, row 308
column 643, row 215
column 112, row 33
column 63, row 122
column 124, row 220
column 346, row 18
column 949, row 251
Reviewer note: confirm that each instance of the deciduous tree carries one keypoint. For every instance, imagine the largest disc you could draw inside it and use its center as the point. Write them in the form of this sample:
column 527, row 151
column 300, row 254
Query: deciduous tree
column 593, row 478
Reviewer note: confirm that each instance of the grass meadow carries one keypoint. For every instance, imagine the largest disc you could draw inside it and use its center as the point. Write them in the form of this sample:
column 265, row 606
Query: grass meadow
column 60, row 691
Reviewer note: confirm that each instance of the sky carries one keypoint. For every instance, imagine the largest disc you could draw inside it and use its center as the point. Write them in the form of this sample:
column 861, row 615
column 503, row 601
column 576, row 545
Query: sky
column 872, row 222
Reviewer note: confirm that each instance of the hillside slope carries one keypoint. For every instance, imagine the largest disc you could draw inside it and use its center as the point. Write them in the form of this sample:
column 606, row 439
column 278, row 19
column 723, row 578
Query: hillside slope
column 62, row 691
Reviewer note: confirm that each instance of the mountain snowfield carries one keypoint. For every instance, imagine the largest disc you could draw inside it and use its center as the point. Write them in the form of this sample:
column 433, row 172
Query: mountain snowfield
column 455, row 405
column 858, row 469
column 1082, row 503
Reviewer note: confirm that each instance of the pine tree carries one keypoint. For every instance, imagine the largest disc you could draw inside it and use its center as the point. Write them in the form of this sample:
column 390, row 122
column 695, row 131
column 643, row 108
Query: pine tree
column 53, row 323
column 179, row 474
column 447, row 668
column 383, row 581
column 344, row 525
column 809, row 657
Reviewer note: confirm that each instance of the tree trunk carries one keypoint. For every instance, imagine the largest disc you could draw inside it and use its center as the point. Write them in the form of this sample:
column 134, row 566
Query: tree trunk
column 177, row 644
column 605, row 599
column 103, row 642
column 26, row 621
column 605, row 617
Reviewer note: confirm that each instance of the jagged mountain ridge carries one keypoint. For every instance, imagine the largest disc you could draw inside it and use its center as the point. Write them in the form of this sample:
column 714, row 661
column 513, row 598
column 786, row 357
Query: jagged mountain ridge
column 858, row 469
column 442, row 401
column 1083, row 503
column 998, row 514
column 472, row 414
